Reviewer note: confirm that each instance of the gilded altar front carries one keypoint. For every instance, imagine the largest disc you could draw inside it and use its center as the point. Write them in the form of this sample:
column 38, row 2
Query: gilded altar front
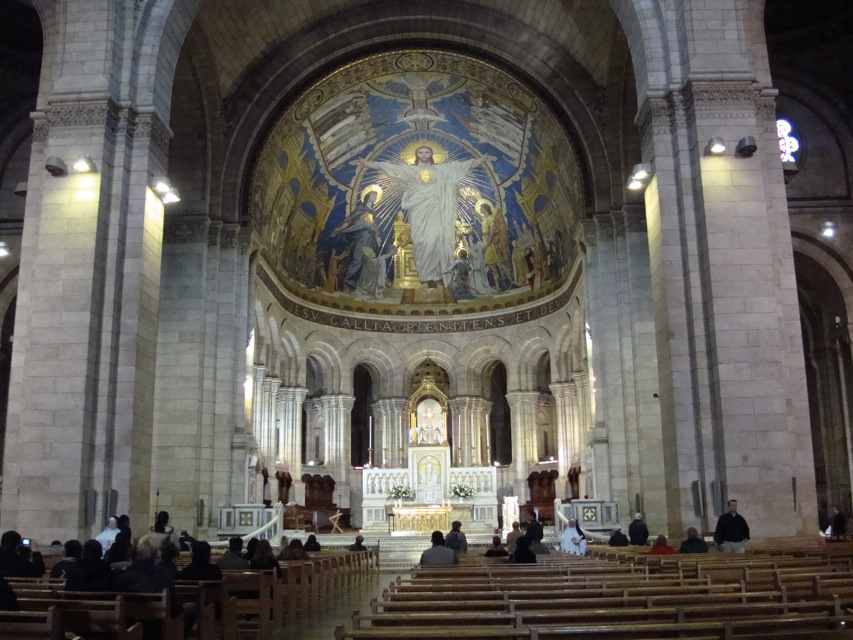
column 422, row 519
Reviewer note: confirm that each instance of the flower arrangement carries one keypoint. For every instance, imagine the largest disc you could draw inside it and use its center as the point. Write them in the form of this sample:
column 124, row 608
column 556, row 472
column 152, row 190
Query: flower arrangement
column 462, row 490
column 401, row 492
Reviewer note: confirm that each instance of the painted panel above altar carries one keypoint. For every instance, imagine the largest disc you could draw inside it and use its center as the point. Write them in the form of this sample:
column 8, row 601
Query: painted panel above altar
column 417, row 182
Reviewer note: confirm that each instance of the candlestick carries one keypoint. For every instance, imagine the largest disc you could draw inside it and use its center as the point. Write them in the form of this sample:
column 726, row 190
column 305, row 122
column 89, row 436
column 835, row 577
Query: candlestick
column 370, row 432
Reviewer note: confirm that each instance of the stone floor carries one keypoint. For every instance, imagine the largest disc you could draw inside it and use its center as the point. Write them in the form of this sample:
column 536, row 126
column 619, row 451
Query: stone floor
column 320, row 625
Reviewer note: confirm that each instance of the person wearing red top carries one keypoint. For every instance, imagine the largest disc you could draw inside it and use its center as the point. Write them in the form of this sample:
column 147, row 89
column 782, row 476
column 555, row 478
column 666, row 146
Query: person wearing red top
column 661, row 547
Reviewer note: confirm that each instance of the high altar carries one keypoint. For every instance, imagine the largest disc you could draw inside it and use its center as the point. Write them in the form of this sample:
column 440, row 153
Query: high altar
column 429, row 473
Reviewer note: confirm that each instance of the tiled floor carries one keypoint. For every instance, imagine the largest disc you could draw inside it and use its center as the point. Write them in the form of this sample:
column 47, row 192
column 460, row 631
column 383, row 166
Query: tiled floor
column 320, row 625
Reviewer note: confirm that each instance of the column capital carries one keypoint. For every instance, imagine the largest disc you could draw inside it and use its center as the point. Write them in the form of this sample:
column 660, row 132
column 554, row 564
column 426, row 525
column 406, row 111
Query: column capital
column 389, row 405
column 272, row 383
column 292, row 394
column 260, row 372
column 562, row 390
column 336, row 401
column 519, row 398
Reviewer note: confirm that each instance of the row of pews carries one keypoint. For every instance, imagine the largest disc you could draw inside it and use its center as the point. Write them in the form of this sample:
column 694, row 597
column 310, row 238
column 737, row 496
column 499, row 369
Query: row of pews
column 781, row 593
column 244, row 604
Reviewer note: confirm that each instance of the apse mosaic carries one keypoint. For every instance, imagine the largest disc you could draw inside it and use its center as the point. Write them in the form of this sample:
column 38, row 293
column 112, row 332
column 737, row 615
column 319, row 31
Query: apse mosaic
column 417, row 179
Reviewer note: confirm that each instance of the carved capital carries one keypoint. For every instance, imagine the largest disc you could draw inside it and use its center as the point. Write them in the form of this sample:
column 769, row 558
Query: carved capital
column 150, row 127
column 589, row 235
column 41, row 126
column 618, row 225
column 213, row 233
column 603, row 226
column 185, row 229
column 722, row 100
column 96, row 113
column 635, row 219
column 230, row 236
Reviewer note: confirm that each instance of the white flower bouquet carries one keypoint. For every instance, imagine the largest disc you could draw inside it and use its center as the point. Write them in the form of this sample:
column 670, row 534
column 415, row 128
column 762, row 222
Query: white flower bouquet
column 462, row 490
column 401, row 492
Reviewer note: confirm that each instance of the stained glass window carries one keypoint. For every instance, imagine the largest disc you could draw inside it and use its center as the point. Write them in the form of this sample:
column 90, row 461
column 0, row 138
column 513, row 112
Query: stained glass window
column 788, row 144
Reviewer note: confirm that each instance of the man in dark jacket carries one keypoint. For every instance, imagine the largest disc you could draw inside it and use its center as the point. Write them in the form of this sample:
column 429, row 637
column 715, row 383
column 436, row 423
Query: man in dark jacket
column 15, row 565
column 638, row 531
column 617, row 538
column 732, row 530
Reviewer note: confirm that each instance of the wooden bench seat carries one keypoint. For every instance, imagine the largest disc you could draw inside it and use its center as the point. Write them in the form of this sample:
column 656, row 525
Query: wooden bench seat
column 34, row 625
column 106, row 618
column 432, row 618
column 430, row 633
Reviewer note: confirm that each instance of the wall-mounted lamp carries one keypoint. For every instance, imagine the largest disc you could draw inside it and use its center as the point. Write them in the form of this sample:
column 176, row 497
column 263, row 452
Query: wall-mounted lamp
column 828, row 229
column 716, row 146
column 4, row 249
column 21, row 189
column 84, row 164
column 639, row 177
column 746, row 147
column 56, row 167
column 168, row 194
column 790, row 168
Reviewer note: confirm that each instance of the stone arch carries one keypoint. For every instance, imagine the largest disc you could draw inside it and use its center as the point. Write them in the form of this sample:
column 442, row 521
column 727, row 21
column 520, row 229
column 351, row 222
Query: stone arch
column 561, row 348
column 262, row 332
column 441, row 353
column 326, row 351
column 831, row 261
column 526, row 354
column 648, row 40
column 376, row 356
column 291, row 367
column 163, row 28
column 476, row 361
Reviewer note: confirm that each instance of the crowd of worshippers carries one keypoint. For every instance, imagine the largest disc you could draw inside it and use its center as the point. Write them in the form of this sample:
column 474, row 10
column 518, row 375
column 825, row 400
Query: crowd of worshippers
column 110, row 562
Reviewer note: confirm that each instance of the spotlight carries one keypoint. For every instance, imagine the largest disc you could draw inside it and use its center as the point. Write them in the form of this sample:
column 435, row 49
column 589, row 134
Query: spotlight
column 161, row 184
column 790, row 169
column 171, row 196
column 21, row 189
column 4, row 249
column 84, row 164
column 56, row 167
column 641, row 171
column 716, row 146
column 634, row 184
column 746, row 147
column 828, row 229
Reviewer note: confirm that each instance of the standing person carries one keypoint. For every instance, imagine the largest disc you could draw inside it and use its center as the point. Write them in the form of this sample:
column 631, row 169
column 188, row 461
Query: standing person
column 617, row 538
column 732, row 531
column 638, row 532
column 456, row 539
column 693, row 543
column 839, row 521
column 438, row 554
column 429, row 197
column 535, row 530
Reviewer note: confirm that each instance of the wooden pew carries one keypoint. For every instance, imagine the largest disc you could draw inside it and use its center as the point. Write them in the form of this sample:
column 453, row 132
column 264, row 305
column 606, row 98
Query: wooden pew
column 104, row 618
column 429, row 633
column 34, row 625
column 258, row 600
column 217, row 615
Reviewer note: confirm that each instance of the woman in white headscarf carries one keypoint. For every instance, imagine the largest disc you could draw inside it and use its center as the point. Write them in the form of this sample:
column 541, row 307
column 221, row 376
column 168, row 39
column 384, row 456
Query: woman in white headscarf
column 573, row 540
column 108, row 535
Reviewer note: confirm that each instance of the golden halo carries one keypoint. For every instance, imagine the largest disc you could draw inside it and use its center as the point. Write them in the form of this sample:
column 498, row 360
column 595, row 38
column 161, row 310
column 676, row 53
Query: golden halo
column 480, row 202
column 438, row 152
column 371, row 188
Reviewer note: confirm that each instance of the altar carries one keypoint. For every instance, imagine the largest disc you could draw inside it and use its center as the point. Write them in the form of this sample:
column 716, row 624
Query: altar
column 423, row 495
column 421, row 518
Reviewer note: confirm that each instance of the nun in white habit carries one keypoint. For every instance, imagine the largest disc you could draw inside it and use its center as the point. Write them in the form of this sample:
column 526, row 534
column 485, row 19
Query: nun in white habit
column 108, row 535
column 573, row 540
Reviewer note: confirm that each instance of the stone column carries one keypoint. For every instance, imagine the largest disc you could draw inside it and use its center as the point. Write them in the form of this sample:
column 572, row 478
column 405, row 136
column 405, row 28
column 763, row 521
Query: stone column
column 269, row 428
column 290, row 438
column 314, row 427
column 391, row 430
column 337, row 412
column 522, row 406
column 568, row 438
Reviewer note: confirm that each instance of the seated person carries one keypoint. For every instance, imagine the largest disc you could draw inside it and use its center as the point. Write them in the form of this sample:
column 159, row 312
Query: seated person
column 293, row 551
column 512, row 536
column 617, row 538
column 573, row 540
column 185, row 541
column 91, row 572
column 438, row 554
column 497, row 549
column 169, row 552
column 264, row 558
column 200, row 567
column 661, row 547
column 358, row 546
column 456, row 540
column 522, row 553
column 693, row 543
column 73, row 551
column 311, row 543
column 15, row 562
column 233, row 558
